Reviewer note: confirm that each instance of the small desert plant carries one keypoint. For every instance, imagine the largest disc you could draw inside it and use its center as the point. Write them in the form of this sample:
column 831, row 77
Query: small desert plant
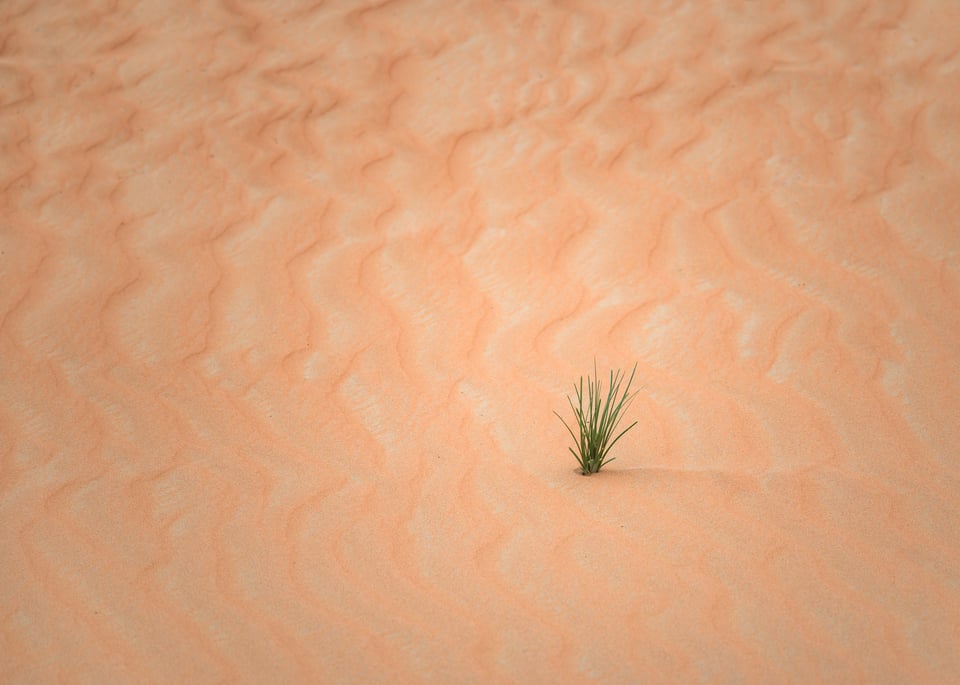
column 598, row 419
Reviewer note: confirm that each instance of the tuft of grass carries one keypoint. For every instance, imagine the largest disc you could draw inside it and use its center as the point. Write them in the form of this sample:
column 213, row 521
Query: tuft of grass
column 597, row 417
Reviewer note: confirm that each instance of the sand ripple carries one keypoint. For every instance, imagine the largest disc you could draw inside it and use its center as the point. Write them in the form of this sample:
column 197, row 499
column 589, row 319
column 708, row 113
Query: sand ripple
column 289, row 292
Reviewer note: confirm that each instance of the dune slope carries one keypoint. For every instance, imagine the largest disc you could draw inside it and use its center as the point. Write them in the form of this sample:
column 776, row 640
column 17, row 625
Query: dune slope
column 290, row 290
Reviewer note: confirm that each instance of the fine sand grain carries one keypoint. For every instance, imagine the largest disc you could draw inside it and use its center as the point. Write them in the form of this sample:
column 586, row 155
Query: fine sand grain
column 289, row 292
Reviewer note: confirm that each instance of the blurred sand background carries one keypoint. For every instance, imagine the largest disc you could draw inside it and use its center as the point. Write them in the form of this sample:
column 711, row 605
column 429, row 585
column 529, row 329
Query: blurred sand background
column 290, row 290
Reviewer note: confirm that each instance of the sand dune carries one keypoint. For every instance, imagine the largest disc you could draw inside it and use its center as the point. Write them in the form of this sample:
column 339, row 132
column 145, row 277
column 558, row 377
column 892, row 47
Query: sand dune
column 289, row 292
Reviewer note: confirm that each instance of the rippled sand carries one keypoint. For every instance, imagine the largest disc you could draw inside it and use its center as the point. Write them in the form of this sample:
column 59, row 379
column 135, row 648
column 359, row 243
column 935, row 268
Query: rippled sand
column 290, row 291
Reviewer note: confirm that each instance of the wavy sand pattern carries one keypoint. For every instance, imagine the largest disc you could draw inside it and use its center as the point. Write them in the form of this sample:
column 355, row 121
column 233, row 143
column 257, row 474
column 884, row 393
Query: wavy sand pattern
column 289, row 291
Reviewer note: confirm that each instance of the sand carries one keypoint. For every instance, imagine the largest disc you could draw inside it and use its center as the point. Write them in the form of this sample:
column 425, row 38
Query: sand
column 290, row 291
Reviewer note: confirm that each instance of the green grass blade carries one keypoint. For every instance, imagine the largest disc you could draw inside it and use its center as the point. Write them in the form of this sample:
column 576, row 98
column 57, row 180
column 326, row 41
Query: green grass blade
column 620, row 436
column 570, row 430
column 598, row 412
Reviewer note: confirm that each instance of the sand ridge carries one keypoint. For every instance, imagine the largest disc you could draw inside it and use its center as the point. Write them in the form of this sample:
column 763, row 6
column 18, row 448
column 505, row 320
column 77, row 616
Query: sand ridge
column 289, row 292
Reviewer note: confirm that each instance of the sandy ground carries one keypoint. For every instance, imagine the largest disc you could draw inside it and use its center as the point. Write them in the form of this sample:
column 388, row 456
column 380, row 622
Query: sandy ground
column 289, row 292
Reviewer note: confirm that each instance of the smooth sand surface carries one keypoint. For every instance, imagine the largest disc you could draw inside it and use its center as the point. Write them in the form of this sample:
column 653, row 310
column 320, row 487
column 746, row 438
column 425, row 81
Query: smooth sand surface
column 290, row 290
